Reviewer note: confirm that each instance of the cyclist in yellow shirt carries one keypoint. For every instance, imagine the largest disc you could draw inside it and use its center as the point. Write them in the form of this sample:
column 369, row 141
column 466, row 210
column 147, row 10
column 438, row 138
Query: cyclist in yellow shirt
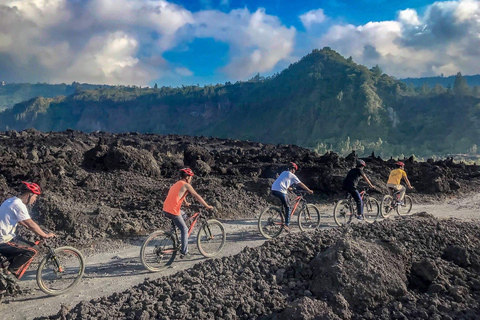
column 396, row 177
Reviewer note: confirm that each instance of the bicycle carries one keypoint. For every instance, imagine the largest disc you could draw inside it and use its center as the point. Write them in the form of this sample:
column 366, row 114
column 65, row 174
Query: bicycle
column 391, row 202
column 160, row 248
column 59, row 271
column 271, row 221
column 346, row 209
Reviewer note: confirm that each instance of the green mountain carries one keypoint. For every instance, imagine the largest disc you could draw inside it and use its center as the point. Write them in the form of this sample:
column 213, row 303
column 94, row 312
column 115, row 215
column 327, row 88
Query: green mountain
column 473, row 80
column 323, row 101
column 13, row 93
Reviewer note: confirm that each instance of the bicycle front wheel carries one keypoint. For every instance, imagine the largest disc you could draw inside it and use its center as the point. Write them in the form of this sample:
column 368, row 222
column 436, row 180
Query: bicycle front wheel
column 387, row 206
column 309, row 218
column 59, row 272
column 343, row 212
column 158, row 251
column 406, row 207
column 211, row 238
column 371, row 210
column 270, row 222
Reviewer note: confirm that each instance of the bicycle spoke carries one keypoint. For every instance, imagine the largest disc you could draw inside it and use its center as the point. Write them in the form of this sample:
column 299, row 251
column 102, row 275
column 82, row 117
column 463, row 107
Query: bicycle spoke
column 211, row 238
column 158, row 251
column 309, row 218
column 58, row 272
column 270, row 222
column 343, row 212
column 371, row 209
column 405, row 207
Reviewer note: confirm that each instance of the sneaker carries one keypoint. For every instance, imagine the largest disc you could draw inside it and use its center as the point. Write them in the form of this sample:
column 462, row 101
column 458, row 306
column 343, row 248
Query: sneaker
column 287, row 228
column 185, row 255
column 400, row 203
column 360, row 217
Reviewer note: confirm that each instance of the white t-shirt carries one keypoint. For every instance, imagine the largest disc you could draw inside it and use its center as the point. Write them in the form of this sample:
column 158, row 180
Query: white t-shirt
column 284, row 181
column 12, row 211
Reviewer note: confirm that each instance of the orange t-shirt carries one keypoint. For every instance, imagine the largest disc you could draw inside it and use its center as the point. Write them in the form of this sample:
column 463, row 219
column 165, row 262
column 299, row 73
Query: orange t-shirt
column 173, row 203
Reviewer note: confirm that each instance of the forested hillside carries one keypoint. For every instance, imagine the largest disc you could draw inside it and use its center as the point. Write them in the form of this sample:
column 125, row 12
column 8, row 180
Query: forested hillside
column 443, row 81
column 324, row 101
column 13, row 93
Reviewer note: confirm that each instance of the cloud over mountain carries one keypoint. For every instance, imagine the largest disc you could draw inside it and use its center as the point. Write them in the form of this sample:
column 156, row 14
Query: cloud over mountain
column 125, row 41
column 445, row 39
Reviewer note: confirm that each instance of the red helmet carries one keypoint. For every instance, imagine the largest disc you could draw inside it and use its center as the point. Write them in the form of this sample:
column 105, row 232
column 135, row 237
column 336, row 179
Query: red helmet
column 361, row 163
column 400, row 164
column 33, row 187
column 293, row 165
column 187, row 171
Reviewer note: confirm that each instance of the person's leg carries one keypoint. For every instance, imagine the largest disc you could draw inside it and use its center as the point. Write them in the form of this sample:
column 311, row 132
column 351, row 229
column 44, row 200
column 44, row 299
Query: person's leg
column 358, row 200
column 283, row 198
column 402, row 191
column 23, row 252
column 180, row 224
column 397, row 187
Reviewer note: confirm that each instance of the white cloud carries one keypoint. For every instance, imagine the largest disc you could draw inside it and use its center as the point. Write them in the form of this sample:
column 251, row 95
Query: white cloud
column 122, row 41
column 109, row 59
column 184, row 72
column 409, row 16
column 445, row 39
column 42, row 12
column 258, row 41
column 61, row 39
column 312, row 17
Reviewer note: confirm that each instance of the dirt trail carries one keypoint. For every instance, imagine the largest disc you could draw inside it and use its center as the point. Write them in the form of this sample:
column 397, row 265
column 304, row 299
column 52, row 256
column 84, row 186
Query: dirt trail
column 120, row 269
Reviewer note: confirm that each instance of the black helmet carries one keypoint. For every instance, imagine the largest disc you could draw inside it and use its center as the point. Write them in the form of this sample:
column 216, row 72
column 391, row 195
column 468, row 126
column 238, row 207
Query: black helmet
column 360, row 163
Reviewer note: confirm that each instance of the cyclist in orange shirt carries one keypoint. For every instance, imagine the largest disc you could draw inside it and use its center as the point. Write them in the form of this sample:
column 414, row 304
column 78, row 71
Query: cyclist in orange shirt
column 173, row 202
column 396, row 177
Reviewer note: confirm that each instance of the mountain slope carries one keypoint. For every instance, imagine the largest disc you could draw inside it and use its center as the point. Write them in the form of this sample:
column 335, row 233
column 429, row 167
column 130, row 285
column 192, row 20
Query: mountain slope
column 323, row 101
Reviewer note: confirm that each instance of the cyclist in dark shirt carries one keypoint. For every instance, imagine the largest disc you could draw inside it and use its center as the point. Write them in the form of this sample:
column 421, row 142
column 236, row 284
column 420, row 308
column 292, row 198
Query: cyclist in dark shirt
column 350, row 184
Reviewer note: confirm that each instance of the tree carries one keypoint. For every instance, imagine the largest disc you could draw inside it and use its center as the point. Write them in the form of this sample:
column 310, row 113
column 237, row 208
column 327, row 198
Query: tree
column 155, row 86
column 460, row 86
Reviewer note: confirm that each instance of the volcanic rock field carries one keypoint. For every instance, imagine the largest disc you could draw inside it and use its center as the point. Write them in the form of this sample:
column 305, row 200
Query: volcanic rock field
column 110, row 187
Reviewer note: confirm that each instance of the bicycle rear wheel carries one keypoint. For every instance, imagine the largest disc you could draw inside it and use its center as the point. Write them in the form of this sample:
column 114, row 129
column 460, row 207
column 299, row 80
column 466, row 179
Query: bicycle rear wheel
column 343, row 212
column 371, row 210
column 406, row 207
column 309, row 218
column 59, row 272
column 270, row 222
column 158, row 251
column 387, row 206
column 211, row 238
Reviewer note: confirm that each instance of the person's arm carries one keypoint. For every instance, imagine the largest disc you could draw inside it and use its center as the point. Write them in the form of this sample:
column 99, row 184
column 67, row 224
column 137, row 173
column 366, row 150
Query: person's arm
column 305, row 187
column 368, row 181
column 33, row 226
column 197, row 196
column 408, row 182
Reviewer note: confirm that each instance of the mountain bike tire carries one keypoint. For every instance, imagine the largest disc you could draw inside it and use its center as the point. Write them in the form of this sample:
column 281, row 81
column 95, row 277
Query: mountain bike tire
column 271, row 222
column 158, row 251
column 387, row 206
column 343, row 212
column 211, row 238
column 371, row 210
column 309, row 218
column 406, row 208
column 59, row 273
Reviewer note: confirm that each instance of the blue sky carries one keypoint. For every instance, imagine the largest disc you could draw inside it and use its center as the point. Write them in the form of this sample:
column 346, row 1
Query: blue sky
column 142, row 42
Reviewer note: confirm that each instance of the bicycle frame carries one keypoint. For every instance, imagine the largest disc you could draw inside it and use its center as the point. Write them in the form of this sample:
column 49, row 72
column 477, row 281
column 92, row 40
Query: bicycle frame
column 297, row 201
column 192, row 220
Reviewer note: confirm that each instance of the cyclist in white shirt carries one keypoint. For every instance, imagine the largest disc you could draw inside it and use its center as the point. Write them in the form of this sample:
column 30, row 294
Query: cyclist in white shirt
column 281, row 186
column 12, row 212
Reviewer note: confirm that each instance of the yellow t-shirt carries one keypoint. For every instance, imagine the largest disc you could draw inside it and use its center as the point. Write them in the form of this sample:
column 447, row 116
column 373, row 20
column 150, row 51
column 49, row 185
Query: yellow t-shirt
column 396, row 176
